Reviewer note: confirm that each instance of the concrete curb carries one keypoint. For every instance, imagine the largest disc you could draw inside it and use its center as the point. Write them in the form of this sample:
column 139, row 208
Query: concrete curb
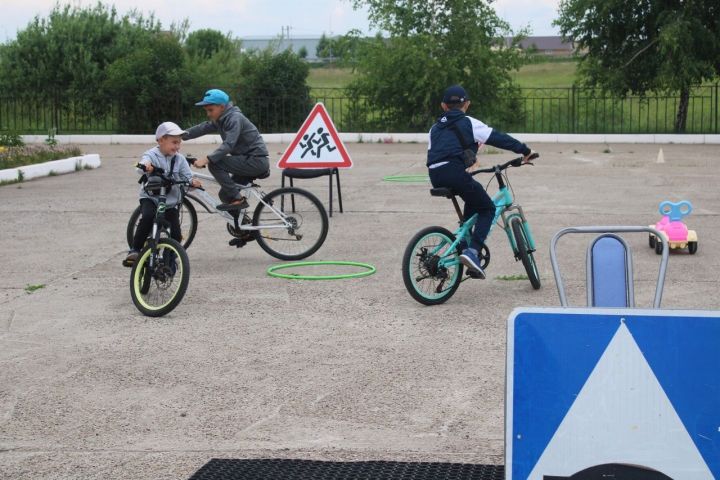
column 65, row 165
column 395, row 138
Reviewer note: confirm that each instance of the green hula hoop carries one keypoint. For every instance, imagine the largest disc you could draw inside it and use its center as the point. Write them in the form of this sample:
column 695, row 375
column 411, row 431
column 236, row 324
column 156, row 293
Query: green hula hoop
column 407, row 178
column 272, row 271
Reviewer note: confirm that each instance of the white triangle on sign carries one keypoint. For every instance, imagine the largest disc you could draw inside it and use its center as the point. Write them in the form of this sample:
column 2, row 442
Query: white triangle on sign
column 622, row 416
column 317, row 144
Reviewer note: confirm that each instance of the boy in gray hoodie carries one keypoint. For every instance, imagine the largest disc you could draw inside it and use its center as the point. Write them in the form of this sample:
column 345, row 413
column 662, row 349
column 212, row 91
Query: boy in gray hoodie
column 243, row 152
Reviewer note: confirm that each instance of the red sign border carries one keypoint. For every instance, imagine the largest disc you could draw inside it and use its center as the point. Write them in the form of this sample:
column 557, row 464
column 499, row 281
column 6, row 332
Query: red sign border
column 319, row 108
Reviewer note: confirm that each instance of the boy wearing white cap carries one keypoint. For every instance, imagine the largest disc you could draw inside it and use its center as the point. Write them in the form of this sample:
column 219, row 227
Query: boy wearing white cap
column 165, row 155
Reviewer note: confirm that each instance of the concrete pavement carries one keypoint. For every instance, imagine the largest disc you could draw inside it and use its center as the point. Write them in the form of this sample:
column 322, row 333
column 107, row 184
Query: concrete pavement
column 250, row 366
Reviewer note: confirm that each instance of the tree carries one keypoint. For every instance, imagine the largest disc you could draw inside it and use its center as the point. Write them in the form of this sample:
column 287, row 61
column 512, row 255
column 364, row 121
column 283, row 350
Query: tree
column 432, row 45
column 273, row 90
column 639, row 47
column 149, row 83
column 322, row 50
column 66, row 54
column 203, row 44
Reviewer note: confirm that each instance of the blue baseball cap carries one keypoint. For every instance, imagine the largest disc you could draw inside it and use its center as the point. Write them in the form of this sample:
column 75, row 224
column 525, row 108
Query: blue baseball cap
column 455, row 94
column 214, row 97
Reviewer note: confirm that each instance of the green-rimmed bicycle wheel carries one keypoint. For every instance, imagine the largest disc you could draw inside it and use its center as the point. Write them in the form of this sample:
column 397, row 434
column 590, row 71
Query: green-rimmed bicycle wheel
column 158, row 288
column 426, row 279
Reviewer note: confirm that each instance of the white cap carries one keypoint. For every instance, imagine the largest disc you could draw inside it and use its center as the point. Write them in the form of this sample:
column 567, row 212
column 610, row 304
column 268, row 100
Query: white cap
column 168, row 128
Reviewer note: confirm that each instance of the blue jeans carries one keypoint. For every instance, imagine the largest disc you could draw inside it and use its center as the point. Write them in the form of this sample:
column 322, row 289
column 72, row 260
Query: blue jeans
column 454, row 176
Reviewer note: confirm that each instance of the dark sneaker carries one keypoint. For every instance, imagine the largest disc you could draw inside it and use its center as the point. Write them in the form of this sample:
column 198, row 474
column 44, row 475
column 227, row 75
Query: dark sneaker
column 131, row 258
column 470, row 259
column 238, row 204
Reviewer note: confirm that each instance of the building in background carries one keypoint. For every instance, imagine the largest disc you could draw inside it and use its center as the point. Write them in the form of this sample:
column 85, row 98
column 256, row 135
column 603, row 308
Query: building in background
column 551, row 46
column 296, row 43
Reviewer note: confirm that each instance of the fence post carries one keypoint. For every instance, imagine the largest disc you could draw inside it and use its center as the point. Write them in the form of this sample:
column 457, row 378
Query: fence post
column 717, row 130
column 573, row 93
column 56, row 112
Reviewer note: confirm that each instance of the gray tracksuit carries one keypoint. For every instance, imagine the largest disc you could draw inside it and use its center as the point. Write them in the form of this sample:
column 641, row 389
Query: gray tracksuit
column 181, row 171
column 242, row 153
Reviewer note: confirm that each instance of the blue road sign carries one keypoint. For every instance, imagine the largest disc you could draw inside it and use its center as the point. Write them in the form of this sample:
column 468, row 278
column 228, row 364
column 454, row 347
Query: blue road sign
column 589, row 390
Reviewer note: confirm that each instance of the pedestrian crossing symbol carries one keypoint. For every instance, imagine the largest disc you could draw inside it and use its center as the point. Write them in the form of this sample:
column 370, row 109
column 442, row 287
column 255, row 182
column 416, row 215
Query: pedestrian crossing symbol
column 317, row 144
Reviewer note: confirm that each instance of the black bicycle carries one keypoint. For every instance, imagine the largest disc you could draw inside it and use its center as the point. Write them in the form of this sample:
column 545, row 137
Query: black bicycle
column 161, row 274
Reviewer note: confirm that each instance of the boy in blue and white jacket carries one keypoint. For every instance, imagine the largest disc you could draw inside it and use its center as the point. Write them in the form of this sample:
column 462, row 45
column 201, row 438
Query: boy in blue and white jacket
column 446, row 165
column 168, row 136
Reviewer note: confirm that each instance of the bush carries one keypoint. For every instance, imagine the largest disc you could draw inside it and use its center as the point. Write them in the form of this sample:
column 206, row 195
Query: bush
column 273, row 90
column 11, row 157
column 11, row 139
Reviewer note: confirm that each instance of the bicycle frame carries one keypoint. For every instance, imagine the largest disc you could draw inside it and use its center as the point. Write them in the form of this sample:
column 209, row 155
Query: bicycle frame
column 210, row 203
column 505, row 210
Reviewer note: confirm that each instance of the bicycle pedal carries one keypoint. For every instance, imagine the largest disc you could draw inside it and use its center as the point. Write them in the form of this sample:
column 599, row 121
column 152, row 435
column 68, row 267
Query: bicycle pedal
column 237, row 242
column 474, row 275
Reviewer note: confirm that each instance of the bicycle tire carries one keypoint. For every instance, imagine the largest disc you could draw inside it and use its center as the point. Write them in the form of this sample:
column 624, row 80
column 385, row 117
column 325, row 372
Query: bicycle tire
column 186, row 209
column 416, row 261
column 524, row 253
column 303, row 209
column 143, row 278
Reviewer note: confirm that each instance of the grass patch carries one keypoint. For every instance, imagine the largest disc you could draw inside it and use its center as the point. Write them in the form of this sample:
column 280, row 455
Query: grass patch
column 330, row 77
column 546, row 75
column 511, row 278
column 535, row 75
column 12, row 157
column 31, row 288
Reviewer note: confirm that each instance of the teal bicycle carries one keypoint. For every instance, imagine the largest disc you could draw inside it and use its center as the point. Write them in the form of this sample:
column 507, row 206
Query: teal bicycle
column 431, row 266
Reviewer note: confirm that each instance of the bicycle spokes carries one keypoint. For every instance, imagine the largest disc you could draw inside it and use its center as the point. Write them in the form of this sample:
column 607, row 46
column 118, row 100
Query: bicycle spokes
column 431, row 269
column 159, row 278
column 291, row 224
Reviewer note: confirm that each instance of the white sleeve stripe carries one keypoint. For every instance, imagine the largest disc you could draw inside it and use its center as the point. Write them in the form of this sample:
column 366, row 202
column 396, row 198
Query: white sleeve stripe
column 481, row 132
column 430, row 137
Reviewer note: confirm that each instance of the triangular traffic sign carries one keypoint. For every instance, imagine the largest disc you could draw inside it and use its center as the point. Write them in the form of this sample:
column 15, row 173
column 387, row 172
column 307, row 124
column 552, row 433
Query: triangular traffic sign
column 317, row 144
column 635, row 423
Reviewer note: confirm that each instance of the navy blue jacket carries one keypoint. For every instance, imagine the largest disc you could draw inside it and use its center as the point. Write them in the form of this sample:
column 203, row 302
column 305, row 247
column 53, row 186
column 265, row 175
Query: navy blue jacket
column 444, row 146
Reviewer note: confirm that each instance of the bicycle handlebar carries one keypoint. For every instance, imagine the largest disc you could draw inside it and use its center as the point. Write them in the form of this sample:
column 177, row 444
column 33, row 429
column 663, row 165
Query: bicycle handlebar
column 515, row 162
column 161, row 173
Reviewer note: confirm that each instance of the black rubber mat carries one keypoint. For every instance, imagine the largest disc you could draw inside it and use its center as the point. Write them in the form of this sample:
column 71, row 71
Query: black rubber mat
column 284, row 469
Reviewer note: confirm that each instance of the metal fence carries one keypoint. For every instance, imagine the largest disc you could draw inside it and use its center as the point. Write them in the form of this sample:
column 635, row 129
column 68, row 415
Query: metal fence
column 542, row 110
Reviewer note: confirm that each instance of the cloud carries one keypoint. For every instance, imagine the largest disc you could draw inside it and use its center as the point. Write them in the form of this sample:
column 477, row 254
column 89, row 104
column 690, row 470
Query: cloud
column 539, row 14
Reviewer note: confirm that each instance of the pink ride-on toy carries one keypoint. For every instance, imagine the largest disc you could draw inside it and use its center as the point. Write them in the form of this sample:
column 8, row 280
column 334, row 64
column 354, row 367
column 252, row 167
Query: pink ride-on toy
column 673, row 229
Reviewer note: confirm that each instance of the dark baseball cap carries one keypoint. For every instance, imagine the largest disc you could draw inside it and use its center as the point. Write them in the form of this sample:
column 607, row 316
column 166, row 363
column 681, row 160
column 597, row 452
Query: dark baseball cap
column 455, row 94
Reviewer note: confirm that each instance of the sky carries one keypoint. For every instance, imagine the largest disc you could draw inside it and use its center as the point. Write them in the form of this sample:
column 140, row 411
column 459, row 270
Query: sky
column 245, row 18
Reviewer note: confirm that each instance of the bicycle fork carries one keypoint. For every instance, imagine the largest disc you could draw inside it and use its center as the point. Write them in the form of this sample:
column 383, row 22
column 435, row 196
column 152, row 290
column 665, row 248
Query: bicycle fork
column 517, row 213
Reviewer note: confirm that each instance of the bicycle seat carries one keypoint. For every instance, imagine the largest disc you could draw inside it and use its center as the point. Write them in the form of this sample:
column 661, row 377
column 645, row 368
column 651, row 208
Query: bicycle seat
column 248, row 180
column 442, row 192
